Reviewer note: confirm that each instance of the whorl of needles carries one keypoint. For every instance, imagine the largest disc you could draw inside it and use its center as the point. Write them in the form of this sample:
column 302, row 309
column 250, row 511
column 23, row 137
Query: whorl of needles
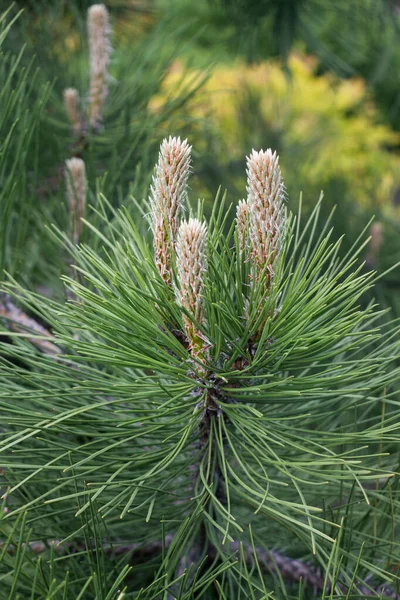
column 265, row 199
column 99, row 49
column 75, row 176
column 191, row 263
column 167, row 194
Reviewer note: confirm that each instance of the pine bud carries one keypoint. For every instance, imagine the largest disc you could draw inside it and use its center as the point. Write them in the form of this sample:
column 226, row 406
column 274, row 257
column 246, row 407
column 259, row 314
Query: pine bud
column 167, row 194
column 191, row 263
column 242, row 225
column 376, row 238
column 71, row 101
column 99, row 49
column 266, row 213
column 75, row 176
column 375, row 244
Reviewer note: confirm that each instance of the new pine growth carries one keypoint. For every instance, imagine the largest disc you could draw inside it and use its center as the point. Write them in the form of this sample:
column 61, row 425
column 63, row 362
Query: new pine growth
column 265, row 199
column 168, row 191
column 191, row 263
column 99, row 50
column 76, row 184
column 71, row 103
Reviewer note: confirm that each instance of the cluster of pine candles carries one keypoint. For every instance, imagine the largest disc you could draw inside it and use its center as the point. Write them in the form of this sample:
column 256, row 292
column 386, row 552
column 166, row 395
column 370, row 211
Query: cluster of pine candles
column 84, row 117
column 260, row 230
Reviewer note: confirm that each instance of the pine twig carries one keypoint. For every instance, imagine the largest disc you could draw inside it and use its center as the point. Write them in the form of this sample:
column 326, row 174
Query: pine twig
column 111, row 549
column 20, row 322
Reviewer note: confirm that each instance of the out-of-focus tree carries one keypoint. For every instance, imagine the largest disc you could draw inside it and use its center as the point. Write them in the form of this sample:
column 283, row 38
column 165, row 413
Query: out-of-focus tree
column 357, row 38
column 52, row 53
column 328, row 132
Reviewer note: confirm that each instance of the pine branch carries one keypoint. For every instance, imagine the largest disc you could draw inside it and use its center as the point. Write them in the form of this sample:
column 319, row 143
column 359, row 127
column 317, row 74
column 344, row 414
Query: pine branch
column 113, row 549
column 290, row 569
column 20, row 322
column 295, row 570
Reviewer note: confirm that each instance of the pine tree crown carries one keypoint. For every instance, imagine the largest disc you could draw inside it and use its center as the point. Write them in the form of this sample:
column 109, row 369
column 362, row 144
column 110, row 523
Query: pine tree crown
column 221, row 401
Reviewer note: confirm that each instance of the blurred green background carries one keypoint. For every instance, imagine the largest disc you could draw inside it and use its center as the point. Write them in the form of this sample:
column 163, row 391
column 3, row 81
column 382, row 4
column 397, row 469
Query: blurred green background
column 317, row 80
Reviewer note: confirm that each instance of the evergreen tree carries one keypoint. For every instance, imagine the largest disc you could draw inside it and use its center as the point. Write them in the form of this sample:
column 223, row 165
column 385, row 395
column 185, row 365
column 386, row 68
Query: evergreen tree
column 209, row 413
column 203, row 418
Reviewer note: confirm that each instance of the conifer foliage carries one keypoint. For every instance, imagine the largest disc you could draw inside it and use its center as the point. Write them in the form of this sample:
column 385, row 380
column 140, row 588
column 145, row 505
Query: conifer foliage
column 212, row 411
column 217, row 417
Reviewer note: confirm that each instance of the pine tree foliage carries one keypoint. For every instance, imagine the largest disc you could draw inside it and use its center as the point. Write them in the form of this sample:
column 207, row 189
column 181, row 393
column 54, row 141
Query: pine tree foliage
column 48, row 68
column 231, row 432
column 211, row 412
column 22, row 99
column 259, row 28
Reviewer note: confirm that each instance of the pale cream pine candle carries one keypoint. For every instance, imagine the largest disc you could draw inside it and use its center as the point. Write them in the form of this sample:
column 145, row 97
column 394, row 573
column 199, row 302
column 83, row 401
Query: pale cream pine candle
column 265, row 201
column 168, row 191
column 71, row 103
column 99, row 50
column 191, row 263
column 75, row 176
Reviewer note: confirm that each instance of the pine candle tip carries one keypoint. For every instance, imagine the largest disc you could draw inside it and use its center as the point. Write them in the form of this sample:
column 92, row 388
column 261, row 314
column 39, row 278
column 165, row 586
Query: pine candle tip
column 193, row 233
column 75, row 164
column 176, row 153
column 71, row 95
column 98, row 16
column 97, row 13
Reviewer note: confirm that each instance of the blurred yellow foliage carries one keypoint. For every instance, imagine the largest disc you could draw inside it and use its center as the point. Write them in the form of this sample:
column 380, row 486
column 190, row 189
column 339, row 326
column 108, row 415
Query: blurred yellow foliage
column 325, row 129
